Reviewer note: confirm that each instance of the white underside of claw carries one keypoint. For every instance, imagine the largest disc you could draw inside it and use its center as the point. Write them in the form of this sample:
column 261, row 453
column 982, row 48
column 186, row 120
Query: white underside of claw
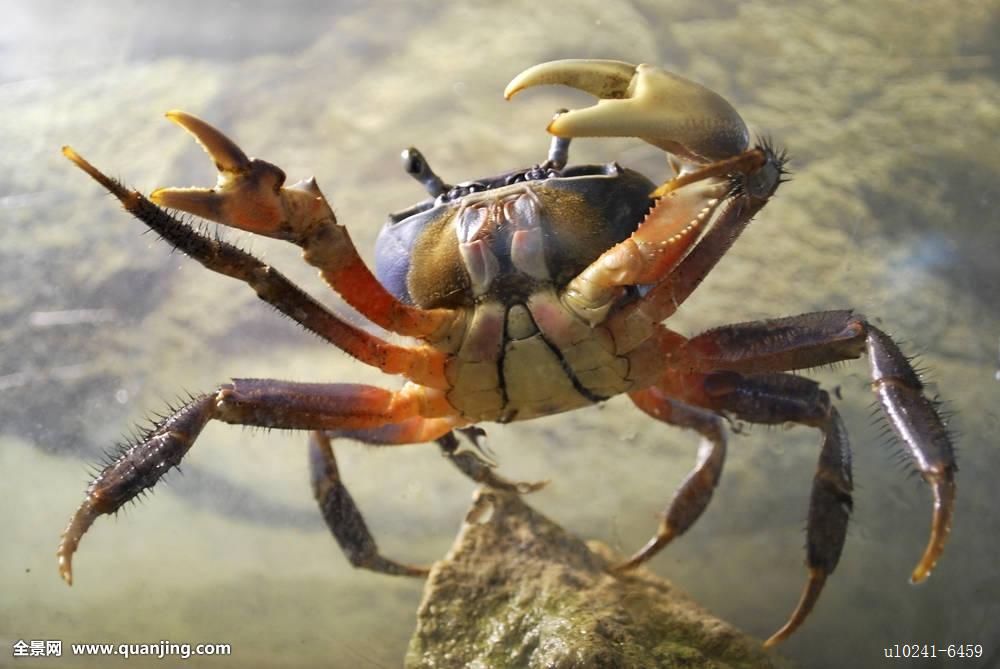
column 644, row 101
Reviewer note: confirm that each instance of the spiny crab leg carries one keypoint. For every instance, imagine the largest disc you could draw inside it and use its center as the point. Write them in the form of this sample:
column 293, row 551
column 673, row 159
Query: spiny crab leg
column 668, row 111
column 250, row 195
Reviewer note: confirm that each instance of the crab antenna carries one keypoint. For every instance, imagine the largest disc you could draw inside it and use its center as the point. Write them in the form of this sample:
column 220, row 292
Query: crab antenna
column 416, row 166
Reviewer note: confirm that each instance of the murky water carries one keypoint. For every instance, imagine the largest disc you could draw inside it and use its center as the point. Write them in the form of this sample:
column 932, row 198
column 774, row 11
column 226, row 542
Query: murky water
column 890, row 113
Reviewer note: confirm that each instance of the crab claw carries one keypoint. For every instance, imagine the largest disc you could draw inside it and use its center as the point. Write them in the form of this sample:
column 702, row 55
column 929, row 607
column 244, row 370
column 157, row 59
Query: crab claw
column 644, row 101
column 249, row 194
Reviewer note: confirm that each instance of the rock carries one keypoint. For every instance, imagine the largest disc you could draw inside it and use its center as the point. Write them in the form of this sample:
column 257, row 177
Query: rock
column 517, row 590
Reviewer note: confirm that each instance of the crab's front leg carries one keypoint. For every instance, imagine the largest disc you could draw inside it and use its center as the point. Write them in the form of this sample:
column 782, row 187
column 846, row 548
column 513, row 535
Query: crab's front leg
column 708, row 146
column 250, row 195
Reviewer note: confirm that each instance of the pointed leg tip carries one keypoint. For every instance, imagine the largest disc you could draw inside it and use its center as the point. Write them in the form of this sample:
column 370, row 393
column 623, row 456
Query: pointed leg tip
column 66, row 569
column 621, row 568
column 810, row 594
column 944, row 501
column 77, row 159
column 116, row 188
column 644, row 554
column 408, row 570
column 921, row 572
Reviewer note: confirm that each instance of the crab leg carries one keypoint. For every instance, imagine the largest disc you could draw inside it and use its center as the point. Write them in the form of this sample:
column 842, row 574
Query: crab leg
column 250, row 195
column 777, row 344
column 422, row 364
column 257, row 402
column 774, row 399
column 805, row 341
column 694, row 494
column 342, row 515
column 821, row 338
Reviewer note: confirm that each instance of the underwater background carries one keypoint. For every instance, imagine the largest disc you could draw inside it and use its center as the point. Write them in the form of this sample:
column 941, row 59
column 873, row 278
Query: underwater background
column 890, row 111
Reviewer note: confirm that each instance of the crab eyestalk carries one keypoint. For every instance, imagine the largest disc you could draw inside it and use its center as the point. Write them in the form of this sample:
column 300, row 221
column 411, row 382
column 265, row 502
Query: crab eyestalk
column 668, row 111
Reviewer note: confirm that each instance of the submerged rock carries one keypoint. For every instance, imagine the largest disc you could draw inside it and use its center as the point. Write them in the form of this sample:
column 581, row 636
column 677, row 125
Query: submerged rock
column 517, row 590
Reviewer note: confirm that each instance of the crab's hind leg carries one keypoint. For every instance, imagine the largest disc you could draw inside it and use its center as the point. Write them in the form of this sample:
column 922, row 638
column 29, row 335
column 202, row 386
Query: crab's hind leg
column 821, row 338
column 250, row 195
column 137, row 467
column 809, row 340
column 257, row 402
column 694, row 494
column 421, row 364
column 785, row 398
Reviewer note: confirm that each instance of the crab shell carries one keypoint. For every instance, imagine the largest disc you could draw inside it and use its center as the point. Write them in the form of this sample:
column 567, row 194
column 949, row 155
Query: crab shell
column 563, row 223
column 506, row 254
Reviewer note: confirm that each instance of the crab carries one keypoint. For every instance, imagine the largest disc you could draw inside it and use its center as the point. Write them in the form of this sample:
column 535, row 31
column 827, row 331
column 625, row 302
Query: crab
column 534, row 292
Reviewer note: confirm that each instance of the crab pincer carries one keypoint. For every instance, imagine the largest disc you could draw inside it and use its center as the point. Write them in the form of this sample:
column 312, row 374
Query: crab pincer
column 250, row 193
column 662, row 108
column 706, row 141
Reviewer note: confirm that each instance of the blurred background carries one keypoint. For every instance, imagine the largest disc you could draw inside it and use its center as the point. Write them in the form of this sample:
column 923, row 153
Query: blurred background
column 890, row 111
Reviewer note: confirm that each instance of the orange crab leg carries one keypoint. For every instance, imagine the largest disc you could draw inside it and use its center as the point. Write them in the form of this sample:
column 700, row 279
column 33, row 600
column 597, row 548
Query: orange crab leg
column 422, row 364
column 250, row 195
column 257, row 402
